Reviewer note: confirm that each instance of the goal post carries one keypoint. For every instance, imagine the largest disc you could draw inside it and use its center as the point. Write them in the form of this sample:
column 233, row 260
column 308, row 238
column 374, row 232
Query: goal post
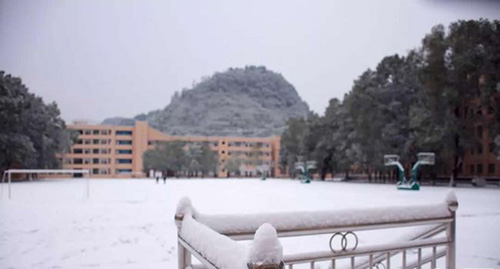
column 8, row 174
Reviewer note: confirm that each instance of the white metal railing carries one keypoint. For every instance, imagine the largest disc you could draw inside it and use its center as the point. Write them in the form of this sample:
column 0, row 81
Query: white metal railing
column 210, row 237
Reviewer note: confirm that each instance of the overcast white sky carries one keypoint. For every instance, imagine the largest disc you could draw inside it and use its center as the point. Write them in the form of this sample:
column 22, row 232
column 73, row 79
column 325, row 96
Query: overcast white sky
column 99, row 59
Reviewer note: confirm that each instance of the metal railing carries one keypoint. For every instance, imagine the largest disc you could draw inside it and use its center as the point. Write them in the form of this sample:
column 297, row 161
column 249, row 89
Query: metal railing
column 434, row 239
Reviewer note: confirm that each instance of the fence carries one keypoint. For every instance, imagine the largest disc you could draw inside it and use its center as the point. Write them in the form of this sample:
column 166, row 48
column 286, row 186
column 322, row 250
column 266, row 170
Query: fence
column 212, row 239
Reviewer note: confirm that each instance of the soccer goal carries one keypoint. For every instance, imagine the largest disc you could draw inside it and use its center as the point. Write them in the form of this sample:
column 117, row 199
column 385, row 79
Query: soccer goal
column 7, row 175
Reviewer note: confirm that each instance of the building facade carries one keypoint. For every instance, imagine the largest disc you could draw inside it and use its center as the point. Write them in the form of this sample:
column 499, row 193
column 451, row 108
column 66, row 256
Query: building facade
column 481, row 160
column 116, row 151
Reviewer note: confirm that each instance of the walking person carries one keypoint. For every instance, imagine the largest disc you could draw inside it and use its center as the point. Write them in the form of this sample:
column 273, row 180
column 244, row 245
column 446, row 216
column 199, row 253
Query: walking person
column 164, row 177
column 158, row 175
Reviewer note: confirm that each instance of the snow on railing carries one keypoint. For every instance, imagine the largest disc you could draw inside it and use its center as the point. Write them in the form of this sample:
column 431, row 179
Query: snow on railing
column 215, row 250
column 210, row 238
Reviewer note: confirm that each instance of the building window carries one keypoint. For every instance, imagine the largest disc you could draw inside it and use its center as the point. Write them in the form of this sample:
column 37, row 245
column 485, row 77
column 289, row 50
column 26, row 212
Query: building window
column 86, row 161
column 104, row 132
column 86, row 151
column 479, row 169
column 124, row 142
column 104, row 151
column 472, row 151
column 471, row 168
column 491, row 168
column 123, row 132
column 67, row 161
column 491, row 147
column 104, row 171
column 87, row 141
column 95, row 141
column 77, row 161
column 105, row 161
column 95, row 151
column 120, row 171
column 480, row 149
column 95, row 171
column 123, row 151
column 88, row 132
column 80, row 132
column 79, row 142
column 480, row 131
column 490, row 110
column 77, row 151
column 95, row 132
column 123, row 161
column 95, row 161
column 223, row 142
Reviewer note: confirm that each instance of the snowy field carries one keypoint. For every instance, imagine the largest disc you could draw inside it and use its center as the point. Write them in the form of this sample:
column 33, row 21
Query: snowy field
column 129, row 223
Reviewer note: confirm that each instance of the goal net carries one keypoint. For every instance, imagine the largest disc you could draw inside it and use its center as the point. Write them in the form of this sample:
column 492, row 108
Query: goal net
column 7, row 176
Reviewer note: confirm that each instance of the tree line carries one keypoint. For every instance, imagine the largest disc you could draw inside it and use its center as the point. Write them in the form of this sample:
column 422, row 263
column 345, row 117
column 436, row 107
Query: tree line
column 32, row 133
column 432, row 99
column 179, row 158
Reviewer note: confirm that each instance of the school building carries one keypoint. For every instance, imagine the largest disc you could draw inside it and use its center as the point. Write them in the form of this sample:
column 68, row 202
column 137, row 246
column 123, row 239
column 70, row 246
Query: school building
column 109, row 151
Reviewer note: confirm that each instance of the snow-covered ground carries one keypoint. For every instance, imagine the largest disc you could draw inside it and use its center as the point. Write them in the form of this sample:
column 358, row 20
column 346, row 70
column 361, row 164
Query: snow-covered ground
column 129, row 223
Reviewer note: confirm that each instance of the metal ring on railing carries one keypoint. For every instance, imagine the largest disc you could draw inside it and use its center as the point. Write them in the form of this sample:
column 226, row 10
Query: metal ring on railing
column 379, row 264
column 344, row 242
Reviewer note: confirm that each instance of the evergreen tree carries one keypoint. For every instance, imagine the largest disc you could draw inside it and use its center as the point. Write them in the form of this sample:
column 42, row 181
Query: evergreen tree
column 31, row 132
column 430, row 100
column 459, row 66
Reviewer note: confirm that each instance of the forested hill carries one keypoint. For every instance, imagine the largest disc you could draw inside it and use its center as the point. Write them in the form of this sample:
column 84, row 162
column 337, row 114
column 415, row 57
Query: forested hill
column 250, row 101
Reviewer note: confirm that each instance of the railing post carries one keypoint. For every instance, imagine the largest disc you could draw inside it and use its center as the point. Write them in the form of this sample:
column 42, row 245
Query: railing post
column 183, row 255
column 266, row 251
column 451, row 199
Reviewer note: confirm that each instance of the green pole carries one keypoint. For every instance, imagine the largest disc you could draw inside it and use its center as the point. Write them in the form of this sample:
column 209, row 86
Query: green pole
column 414, row 172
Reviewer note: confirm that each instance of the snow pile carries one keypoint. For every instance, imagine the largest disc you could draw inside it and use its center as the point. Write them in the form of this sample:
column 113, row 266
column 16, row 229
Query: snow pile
column 230, row 224
column 184, row 207
column 451, row 199
column 266, row 248
column 218, row 249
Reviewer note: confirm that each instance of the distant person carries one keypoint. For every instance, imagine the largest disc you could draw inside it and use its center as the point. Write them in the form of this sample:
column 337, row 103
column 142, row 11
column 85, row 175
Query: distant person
column 164, row 178
column 158, row 175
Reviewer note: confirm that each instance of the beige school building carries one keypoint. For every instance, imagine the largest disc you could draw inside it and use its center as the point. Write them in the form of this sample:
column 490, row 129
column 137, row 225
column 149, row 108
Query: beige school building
column 109, row 151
